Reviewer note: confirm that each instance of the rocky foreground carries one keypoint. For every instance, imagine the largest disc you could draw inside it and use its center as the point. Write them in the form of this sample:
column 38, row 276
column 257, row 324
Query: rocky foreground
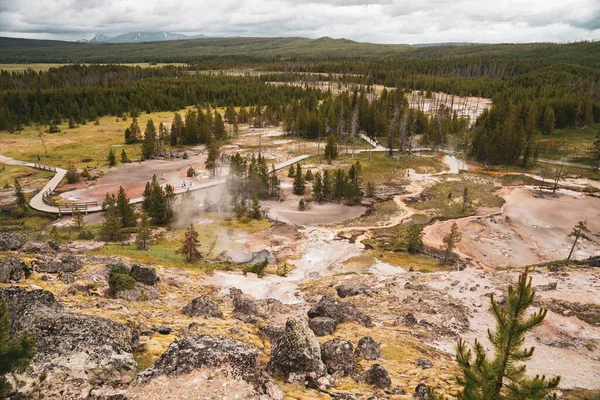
column 356, row 336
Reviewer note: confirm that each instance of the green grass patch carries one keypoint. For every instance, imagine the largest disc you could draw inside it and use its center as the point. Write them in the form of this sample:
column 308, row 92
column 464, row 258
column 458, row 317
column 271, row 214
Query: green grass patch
column 381, row 169
column 572, row 143
column 381, row 213
column 445, row 198
column 30, row 178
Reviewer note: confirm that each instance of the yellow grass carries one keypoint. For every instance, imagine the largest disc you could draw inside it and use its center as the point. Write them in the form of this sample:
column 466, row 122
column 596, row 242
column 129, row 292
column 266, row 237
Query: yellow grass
column 74, row 145
column 43, row 67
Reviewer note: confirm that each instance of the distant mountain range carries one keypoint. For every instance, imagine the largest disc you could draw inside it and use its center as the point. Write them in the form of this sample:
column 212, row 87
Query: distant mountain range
column 139, row 37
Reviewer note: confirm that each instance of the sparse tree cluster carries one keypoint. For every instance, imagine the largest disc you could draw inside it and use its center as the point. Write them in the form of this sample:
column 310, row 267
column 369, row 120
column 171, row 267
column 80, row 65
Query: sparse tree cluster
column 158, row 202
column 338, row 185
column 248, row 179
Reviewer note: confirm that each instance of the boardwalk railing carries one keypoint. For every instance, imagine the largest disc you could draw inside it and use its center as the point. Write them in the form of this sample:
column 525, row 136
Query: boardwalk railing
column 44, row 167
column 65, row 207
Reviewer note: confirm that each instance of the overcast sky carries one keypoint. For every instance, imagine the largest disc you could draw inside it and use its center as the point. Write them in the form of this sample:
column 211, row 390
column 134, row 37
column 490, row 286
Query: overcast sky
column 381, row 21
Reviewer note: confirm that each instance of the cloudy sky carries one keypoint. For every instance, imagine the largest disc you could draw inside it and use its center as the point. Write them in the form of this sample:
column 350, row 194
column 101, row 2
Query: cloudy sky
column 382, row 21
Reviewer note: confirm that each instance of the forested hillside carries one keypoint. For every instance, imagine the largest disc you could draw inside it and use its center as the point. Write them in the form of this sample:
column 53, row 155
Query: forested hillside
column 535, row 88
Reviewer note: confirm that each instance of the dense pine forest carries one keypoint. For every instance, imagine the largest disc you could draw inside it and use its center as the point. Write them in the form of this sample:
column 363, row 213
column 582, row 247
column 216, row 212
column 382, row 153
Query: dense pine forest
column 535, row 89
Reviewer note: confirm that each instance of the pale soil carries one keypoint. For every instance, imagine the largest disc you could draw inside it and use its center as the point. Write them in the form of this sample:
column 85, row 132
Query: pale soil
column 528, row 230
column 565, row 345
column 205, row 383
column 133, row 177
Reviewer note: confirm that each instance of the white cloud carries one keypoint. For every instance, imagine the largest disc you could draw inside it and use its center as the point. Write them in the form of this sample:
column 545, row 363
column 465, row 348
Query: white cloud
column 382, row 21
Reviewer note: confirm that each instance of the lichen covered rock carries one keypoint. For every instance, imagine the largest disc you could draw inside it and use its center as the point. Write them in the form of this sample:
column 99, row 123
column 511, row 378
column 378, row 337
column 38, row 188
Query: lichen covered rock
column 322, row 326
column 144, row 274
column 296, row 351
column 202, row 306
column 194, row 352
column 11, row 269
column 338, row 356
column 11, row 241
column 368, row 349
column 339, row 312
column 376, row 376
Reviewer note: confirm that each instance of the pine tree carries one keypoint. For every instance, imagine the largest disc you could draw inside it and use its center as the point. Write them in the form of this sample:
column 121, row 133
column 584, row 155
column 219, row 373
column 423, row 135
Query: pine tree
column 20, row 195
column 124, row 158
column 317, row 187
column 299, row 184
column 255, row 208
column 450, row 240
column 133, row 133
column 190, row 243
column 548, row 121
column 125, row 211
column 502, row 378
column 14, row 354
column 415, row 244
column 157, row 202
column 149, row 143
column 331, row 148
column 579, row 231
column 78, row 219
column 308, row 176
column 219, row 127
column 274, row 183
column 292, row 171
column 213, row 156
column 169, row 201
column 112, row 159
column 144, row 232
column 111, row 225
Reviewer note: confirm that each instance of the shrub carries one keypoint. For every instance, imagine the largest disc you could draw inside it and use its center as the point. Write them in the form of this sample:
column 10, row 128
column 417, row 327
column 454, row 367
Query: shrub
column 191, row 172
column 72, row 175
column 120, row 279
column 86, row 234
column 302, row 205
column 258, row 268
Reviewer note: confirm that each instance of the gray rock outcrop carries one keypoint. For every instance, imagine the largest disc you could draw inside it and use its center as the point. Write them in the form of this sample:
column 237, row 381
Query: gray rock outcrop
column 353, row 289
column 296, row 351
column 338, row 356
column 144, row 274
column 339, row 312
column 368, row 349
column 38, row 248
column 376, row 376
column 11, row 241
column 62, row 264
column 202, row 306
column 189, row 353
column 322, row 326
column 72, row 350
column 11, row 269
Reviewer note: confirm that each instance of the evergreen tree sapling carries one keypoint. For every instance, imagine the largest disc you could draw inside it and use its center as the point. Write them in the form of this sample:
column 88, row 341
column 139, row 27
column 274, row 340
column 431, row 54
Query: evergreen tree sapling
column 144, row 232
column 112, row 159
column 20, row 195
column 299, row 184
column 190, row 243
column 450, row 240
column 579, row 231
column 503, row 377
column 78, row 220
column 149, row 143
